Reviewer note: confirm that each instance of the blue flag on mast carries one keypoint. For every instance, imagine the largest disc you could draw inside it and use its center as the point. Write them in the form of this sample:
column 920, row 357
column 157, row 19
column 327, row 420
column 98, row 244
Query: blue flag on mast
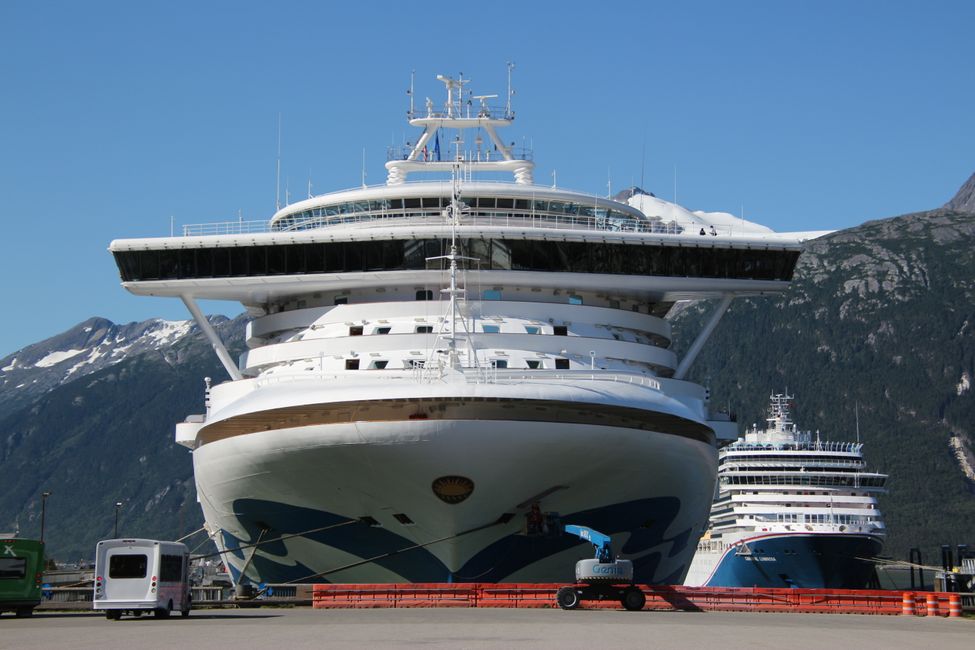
column 436, row 145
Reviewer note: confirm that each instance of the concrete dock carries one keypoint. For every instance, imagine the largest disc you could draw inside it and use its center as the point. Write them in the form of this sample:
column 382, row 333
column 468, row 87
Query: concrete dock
column 299, row 628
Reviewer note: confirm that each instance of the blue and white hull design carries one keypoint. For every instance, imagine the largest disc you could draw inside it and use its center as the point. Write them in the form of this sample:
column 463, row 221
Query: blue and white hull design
column 791, row 560
column 361, row 490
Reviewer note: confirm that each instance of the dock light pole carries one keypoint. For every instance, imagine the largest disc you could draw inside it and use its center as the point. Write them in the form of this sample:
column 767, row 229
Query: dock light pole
column 118, row 506
column 44, row 496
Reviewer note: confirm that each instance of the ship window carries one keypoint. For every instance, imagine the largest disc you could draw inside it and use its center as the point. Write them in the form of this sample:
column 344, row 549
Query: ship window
column 614, row 304
column 351, row 364
column 521, row 255
column 532, row 329
column 575, row 300
column 424, row 294
column 370, row 521
column 490, row 294
column 403, row 519
column 342, row 300
column 534, row 364
column 355, row 330
column 414, row 363
column 522, row 204
column 379, row 365
column 561, row 364
column 491, row 329
column 486, row 202
column 383, row 330
column 506, row 203
column 499, row 363
column 411, row 203
column 424, row 329
column 127, row 566
column 432, row 202
column 560, row 330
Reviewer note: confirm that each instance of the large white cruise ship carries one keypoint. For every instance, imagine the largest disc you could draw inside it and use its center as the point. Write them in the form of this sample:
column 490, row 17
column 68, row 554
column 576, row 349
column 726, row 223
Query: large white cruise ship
column 437, row 370
column 791, row 511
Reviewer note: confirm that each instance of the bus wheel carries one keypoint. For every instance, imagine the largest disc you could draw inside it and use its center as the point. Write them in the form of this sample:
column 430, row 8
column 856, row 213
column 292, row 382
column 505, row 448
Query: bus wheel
column 163, row 612
column 24, row 612
column 113, row 614
column 184, row 613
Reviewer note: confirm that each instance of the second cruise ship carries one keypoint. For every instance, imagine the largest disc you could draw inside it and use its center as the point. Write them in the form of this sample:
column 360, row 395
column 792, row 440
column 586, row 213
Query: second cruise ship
column 438, row 372
column 791, row 510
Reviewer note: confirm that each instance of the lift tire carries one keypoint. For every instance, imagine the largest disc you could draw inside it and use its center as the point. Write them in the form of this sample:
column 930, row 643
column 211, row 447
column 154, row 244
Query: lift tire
column 633, row 599
column 567, row 598
column 163, row 612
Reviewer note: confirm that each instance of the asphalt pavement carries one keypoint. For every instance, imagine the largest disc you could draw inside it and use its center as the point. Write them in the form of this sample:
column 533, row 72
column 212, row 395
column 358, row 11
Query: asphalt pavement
column 300, row 628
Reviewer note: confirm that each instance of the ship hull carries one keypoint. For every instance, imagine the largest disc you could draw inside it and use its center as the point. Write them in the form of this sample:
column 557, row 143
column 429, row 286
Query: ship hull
column 829, row 561
column 650, row 490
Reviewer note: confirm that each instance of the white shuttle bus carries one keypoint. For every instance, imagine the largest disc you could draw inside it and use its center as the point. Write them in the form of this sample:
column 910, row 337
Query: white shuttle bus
column 141, row 575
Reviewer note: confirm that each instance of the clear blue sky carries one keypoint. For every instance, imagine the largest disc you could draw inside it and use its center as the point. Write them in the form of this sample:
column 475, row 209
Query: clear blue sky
column 116, row 116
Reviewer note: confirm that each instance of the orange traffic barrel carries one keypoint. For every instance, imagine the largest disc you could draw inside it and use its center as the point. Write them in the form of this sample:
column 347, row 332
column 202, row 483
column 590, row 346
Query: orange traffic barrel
column 954, row 605
column 932, row 605
column 907, row 604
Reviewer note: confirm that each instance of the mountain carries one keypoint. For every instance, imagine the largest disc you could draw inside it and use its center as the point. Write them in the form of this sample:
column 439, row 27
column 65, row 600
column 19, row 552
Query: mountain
column 879, row 322
column 964, row 200
column 88, row 415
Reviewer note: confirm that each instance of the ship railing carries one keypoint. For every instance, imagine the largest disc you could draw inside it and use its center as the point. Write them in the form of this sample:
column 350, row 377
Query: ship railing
column 791, row 464
column 462, row 111
column 487, row 218
column 468, row 156
column 484, row 375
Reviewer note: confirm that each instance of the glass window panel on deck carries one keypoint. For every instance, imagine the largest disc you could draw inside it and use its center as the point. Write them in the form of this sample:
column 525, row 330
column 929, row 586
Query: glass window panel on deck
column 168, row 265
column 277, row 260
column 220, row 263
column 238, row 260
column 315, row 258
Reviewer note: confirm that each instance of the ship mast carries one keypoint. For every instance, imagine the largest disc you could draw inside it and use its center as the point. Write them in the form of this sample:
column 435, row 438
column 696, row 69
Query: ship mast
column 454, row 292
column 460, row 115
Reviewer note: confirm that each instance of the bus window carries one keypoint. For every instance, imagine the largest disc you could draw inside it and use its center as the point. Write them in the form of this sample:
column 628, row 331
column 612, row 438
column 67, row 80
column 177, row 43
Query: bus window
column 127, row 566
column 13, row 568
column 171, row 568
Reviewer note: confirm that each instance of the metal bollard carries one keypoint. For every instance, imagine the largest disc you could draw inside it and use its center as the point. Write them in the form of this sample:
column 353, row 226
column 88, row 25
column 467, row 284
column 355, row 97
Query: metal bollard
column 907, row 604
column 932, row 605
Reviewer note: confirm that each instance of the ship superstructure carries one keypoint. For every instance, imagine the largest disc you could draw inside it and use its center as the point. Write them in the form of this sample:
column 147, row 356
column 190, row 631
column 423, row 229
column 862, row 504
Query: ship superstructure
column 792, row 510
column 437, row 368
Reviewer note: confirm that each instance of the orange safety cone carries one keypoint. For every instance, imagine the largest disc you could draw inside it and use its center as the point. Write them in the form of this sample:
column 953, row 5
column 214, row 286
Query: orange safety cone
column 932, row 605
column 907, row 604
column 954, row 606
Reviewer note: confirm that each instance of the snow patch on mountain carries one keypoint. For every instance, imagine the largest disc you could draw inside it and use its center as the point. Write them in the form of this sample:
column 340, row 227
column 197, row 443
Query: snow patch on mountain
column 57, row 357
column 693, row 222
column 964, row 384
column 169, row 330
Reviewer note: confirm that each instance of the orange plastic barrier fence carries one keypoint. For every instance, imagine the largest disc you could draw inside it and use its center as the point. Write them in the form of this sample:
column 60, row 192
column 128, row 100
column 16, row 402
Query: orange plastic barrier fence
column 678, row 598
